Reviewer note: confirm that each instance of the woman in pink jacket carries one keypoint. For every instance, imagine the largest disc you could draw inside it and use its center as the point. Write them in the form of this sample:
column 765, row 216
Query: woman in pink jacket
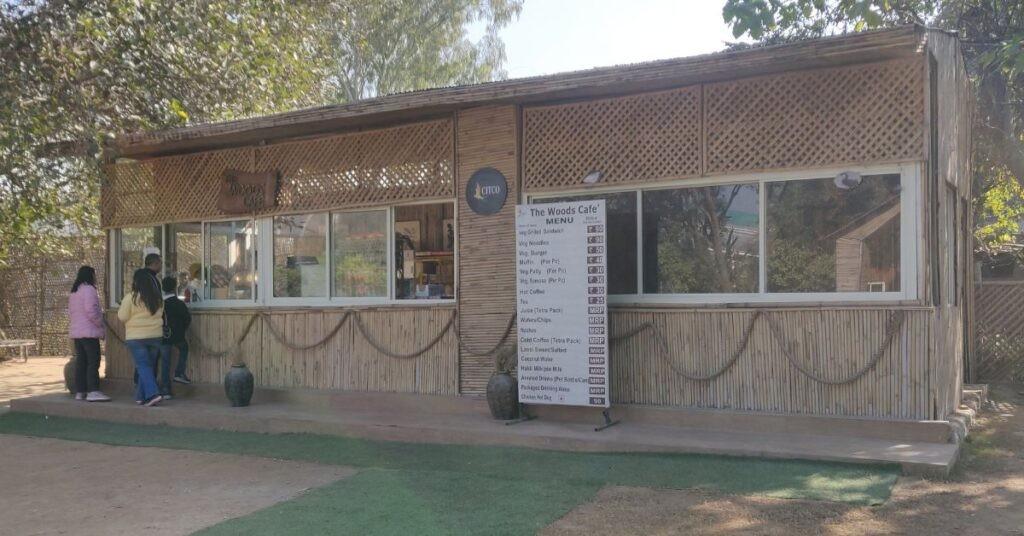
column 85, row 326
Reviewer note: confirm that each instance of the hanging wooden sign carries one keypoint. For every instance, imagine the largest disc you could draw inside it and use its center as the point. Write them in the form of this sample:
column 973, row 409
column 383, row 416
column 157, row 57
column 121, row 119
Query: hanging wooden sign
column 242, row 192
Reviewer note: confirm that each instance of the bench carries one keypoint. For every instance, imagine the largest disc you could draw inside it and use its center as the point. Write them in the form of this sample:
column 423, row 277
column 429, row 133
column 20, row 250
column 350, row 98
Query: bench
column 21, row 344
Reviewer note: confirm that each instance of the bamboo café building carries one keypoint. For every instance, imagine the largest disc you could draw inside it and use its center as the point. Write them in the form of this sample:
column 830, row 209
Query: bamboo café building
column 788, row 230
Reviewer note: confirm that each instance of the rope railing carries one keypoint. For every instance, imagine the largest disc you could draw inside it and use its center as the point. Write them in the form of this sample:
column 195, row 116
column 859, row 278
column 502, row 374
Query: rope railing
column 893, row 326
column 664, row 351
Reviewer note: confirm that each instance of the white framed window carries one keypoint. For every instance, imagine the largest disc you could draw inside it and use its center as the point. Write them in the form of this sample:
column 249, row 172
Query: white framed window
column 398, row 254
column 809, row 236
column 128, row 249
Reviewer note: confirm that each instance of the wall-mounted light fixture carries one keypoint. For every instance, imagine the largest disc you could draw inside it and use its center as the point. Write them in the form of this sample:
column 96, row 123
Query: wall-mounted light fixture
column 847, row 180
column 593, row 177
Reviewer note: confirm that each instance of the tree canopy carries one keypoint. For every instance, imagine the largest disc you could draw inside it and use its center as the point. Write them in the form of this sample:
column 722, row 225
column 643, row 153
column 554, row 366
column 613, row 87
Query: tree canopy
column 992, row 37
column 80, row 71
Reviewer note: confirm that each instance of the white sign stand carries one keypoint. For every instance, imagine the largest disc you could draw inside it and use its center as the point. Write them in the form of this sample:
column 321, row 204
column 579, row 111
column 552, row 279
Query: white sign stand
column 562, row 304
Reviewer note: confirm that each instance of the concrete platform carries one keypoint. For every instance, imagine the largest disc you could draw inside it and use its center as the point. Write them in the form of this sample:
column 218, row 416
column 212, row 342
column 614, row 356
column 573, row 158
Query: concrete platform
column 924, row 448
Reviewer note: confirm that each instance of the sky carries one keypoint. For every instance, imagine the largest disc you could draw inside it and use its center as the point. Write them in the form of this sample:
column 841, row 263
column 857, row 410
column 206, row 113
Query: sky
column 554, row 36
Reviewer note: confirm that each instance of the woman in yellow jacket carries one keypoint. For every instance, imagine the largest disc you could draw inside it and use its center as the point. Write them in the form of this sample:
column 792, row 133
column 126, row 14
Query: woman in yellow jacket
column 142, row 312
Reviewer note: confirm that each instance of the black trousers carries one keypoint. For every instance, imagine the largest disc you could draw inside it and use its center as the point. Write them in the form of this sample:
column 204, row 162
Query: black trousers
column 87, row 365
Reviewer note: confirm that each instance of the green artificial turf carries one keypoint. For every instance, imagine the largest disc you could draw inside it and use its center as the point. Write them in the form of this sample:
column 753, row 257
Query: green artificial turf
column 457, row 489
column 385, row 501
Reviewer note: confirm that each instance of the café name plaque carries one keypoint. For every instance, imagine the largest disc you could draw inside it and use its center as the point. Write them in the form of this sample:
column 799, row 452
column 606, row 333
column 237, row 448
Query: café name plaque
column 561, row 296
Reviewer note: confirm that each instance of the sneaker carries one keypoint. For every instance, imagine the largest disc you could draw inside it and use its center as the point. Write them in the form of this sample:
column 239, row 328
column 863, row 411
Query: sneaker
column 79, row 396
column 97, row 396
column 154, row 400
column 183, row 379
column 167, row 397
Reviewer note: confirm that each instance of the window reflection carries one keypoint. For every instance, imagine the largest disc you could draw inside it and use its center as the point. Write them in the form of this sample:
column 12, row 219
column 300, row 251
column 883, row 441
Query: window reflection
column 828, row 236
column 701, row 240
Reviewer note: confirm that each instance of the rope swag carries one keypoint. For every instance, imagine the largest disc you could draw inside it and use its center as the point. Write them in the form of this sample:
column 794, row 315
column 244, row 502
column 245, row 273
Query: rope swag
column 892, row 327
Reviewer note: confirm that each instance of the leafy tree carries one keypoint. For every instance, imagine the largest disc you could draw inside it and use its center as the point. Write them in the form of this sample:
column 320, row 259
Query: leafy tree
column 75, row 72
column 992, row 36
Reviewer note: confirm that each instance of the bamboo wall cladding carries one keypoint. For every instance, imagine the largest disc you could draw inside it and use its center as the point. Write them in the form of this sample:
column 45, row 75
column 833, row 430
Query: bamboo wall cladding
column 869, row 113
column 833, row 343
column 402, row 163
column 650, row 136
column 346, row 362
column 487, row 255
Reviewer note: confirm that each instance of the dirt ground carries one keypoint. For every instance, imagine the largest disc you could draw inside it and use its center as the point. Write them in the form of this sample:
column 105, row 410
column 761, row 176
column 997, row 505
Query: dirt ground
column 40, row 376
column 984, row 496
column 51, row 486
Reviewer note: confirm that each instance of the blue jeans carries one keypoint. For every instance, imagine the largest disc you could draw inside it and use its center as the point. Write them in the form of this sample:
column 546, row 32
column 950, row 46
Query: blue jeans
column 166, row 352
column 145, row 353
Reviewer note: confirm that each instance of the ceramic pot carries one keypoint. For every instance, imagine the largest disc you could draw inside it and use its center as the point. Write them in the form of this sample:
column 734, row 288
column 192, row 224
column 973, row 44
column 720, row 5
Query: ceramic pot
column 503, row 396
column 69, row 375
column 238, row 385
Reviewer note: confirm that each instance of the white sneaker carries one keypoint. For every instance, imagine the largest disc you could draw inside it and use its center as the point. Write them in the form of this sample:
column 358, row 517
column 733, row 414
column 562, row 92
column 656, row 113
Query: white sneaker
column 97, row 396
column 79, row 396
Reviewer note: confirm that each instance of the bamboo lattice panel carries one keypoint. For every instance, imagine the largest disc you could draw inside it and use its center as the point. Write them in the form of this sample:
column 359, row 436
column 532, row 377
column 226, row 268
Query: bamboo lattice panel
column 173, row 188
column 374, row 167
column 999, row 331
column 643, row 137
column 862, row 114
column 396, row 164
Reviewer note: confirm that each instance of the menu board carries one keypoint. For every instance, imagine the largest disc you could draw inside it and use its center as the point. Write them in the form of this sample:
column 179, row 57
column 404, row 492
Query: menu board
column 562, row 303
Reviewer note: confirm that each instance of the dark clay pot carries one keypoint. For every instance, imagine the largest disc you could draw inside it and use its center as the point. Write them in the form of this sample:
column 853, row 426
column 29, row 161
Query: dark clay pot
column 238, row 385
column 69, row 375
column 503, row 396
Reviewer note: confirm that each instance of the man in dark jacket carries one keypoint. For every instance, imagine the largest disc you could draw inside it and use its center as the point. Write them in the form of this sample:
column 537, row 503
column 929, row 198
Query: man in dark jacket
column 177, row 319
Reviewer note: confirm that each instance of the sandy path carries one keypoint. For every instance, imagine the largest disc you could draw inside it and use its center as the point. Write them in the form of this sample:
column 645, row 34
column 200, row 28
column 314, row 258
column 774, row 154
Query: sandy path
column 51, row 486
column 984, row 497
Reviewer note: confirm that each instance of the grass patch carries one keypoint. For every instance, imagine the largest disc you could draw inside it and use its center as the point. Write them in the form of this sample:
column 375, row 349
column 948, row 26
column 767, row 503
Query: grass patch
column 793, row 479
column 383, row 501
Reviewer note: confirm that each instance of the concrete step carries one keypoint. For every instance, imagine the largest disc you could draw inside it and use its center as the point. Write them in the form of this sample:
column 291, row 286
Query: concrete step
column 399, row 424
column 711, row 419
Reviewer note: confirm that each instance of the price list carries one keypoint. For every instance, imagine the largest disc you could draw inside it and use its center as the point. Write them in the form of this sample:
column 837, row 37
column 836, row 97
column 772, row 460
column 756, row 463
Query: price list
column 562, row 303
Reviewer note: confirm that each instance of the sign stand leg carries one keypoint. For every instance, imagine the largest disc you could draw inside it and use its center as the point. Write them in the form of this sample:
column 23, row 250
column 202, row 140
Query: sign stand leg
column 608, row 422
column 524, row 416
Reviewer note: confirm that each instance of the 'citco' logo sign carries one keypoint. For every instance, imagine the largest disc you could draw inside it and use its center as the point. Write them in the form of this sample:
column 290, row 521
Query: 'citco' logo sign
column 486, row 191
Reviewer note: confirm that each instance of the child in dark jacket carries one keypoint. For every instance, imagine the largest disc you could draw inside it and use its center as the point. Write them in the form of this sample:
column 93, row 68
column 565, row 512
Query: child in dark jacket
column 178, row 320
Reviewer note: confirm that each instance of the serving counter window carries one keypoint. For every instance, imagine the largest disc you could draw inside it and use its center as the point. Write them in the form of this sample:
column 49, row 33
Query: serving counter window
column 130, row 247
column 300, row 256
column 829, row 235
column 355, row 257
column 229, row 261
column 359, row 249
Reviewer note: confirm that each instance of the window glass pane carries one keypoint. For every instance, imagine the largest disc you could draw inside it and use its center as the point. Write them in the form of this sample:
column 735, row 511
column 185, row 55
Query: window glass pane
column 824, row 237
column 229, row 260
column 184, row 259
column 359, row 251
column 701, row 240
column 620, row 210
column 300, row 256
column 135, row 243
column 425, row 251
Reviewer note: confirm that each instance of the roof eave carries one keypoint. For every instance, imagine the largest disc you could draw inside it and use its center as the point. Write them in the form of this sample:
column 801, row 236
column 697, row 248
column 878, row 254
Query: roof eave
column 607, row 81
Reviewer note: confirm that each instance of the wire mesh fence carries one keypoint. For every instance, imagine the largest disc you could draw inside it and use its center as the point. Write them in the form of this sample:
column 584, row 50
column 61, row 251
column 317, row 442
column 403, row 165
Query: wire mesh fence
column 33, row 296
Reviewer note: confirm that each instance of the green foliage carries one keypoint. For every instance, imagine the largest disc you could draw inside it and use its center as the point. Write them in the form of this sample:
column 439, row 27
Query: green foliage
column 75, row 73
column 1000, row 210
column 992, row 38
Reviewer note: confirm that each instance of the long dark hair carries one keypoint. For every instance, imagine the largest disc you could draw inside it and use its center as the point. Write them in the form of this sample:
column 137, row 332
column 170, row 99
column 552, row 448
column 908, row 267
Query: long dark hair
column 87, row 275
column 147, row 290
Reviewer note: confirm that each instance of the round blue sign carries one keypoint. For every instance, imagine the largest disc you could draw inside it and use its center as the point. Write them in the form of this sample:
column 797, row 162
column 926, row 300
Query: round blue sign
column 486, row 191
